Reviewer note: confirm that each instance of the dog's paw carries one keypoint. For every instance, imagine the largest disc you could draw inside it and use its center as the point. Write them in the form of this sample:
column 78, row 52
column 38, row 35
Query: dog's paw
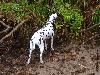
column 52, row 48
column 41, row 62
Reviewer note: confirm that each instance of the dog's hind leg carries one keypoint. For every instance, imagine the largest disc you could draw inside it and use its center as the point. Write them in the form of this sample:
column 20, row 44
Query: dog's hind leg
column 32, row 47
column 45, row 45
column 41, row 52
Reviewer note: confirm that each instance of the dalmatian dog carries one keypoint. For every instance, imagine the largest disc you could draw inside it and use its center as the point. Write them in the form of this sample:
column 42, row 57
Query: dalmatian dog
column 39, row 38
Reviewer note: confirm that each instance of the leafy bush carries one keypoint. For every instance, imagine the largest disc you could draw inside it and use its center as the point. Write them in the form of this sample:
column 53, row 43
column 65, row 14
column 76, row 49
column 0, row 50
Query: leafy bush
column 96, row 18
column 23, row 9
column 14, row 7
column 72, row 15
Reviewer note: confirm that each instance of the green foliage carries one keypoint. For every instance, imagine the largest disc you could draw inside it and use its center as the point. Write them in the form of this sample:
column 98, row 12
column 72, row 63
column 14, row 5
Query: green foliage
column 23, row 9
column 19, row 9
column 41, row 10
column 96, row 18
column 72, row 15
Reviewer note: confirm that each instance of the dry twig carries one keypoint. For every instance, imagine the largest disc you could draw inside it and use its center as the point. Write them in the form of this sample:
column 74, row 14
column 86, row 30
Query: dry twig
column 7, row 27
column 13, row 30
column 91, row 38
column 84, row 30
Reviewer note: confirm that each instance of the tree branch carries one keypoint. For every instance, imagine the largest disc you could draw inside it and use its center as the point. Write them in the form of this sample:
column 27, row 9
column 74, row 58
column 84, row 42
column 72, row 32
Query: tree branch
column 91, row 38
column 13, row 30
column 4, row 24
column 8, row 27
column 89, row 28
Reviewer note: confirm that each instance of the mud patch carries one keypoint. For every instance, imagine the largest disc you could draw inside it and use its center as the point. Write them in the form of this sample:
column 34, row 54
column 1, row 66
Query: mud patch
column 79, row 60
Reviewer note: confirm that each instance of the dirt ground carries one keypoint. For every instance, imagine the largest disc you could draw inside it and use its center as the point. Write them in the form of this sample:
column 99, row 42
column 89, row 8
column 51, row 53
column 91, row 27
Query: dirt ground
column 64, row 60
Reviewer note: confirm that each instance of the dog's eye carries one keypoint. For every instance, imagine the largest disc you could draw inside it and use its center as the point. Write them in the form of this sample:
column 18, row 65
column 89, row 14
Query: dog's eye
column 54, row 17
column 51, row 26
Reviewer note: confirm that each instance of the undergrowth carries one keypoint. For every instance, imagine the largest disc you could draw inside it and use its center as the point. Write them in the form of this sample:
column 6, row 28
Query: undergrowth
column 23, row 9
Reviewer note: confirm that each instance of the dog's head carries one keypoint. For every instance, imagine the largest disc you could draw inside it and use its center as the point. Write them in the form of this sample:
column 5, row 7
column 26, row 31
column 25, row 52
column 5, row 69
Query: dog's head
column 52, row 17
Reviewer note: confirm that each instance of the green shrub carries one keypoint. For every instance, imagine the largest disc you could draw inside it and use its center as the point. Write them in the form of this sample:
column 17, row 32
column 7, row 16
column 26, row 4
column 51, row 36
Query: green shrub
column 96, row 17
column 23, row 9
column 72, row 15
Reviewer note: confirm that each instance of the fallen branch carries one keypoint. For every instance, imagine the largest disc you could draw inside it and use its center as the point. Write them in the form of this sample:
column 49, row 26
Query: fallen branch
column 7, row 27
column 4, row 24
column 84, row 30
column 13, row 30
column 91, row 38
